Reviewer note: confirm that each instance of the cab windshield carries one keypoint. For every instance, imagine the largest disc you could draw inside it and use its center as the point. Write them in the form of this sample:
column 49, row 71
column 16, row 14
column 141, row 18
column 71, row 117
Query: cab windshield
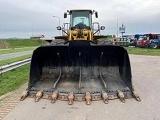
column 81, row 17
column 143, row 38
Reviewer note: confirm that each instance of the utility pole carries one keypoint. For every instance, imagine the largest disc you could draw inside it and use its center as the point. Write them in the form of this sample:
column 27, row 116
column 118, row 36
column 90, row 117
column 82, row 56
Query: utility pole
column 59, row 23
column 117, row 28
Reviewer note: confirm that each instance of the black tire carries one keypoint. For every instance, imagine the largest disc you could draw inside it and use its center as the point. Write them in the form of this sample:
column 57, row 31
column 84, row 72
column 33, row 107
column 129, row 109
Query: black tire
column 147, row 46
column 154, row 45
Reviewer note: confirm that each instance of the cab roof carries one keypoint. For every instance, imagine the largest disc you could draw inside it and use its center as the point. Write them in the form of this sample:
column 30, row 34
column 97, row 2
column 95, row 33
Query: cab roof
column 76, row 10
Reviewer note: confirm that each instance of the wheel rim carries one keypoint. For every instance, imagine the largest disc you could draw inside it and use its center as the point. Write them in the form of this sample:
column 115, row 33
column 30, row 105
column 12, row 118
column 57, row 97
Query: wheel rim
column 154, row 46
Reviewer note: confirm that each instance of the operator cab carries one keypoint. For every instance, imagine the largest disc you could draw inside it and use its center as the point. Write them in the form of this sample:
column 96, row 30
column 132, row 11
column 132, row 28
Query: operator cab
column 80, row 19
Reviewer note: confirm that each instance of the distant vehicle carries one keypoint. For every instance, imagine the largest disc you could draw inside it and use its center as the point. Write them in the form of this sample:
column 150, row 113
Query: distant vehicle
column 155, row 43
column 152, row 36
column 130, row 40
column 133, row 42
column 142, row 42
column 126, row 41
column 37, row 36
column 122, row 41
column 137, row 36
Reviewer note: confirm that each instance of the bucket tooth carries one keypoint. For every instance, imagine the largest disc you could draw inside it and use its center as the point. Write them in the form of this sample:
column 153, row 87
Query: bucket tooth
column 80, row 71
column 38, row 96
column 70, row 98
column 88, row 98
column 136, row 95
column 121, row 96
column 100, row 72
column 54, row 96
column 60, row 73
column 105, row 97
column 24, row 95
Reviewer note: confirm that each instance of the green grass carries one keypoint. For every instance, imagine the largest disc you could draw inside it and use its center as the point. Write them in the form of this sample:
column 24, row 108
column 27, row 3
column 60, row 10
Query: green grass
column 143, row 51
column 13, row 79
column 12, row 50
column 7, row 61
column 16, row 43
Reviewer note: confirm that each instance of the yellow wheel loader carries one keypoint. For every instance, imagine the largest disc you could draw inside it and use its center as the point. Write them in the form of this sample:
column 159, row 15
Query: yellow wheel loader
column 80, row 65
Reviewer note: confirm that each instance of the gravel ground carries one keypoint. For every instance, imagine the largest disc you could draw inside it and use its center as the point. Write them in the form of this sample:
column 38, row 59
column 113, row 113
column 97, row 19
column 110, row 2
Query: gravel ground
column 146, row 81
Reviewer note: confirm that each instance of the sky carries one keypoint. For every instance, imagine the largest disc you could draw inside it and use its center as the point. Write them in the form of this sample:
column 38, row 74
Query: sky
column 24, row 18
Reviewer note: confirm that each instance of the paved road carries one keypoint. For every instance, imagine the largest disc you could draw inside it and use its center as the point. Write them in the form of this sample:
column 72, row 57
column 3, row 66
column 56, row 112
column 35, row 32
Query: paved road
column 16, row 54
column 146, row 80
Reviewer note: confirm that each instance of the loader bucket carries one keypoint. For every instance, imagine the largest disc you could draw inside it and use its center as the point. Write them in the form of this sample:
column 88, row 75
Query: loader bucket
column 81, row 69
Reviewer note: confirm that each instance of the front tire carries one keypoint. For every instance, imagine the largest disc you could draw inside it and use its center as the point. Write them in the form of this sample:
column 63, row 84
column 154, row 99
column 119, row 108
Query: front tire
column 154, row 46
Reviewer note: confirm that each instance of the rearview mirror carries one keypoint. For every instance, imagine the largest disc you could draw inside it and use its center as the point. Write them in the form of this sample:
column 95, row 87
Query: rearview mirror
column 65, row 15
column 96, row 14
